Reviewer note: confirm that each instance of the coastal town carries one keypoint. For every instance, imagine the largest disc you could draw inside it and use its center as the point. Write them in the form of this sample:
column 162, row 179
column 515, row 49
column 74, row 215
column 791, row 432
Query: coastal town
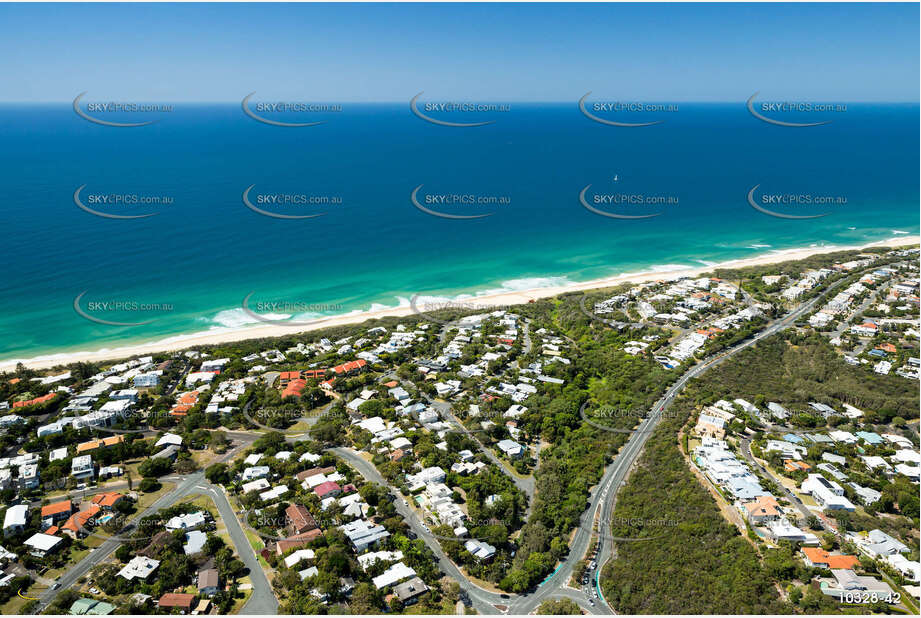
column 470, row 460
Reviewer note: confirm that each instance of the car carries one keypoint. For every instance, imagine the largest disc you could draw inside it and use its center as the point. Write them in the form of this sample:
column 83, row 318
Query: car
column 592, row 603
column 95, row 591
column 503, row 596
column 405, row 503
column 56, row 585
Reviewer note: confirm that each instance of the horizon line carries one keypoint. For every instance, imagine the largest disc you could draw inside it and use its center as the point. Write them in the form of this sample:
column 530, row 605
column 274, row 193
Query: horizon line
column 479, row 101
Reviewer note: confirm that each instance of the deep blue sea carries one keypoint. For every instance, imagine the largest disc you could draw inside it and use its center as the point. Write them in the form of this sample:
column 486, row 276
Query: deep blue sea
column 206, row 250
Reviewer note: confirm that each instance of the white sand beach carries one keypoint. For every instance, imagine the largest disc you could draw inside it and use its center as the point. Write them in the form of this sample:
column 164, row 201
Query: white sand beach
column 487, row 300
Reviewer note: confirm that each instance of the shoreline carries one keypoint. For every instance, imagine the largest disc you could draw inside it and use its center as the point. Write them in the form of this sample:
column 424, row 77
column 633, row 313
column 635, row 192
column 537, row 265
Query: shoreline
column 497, row 299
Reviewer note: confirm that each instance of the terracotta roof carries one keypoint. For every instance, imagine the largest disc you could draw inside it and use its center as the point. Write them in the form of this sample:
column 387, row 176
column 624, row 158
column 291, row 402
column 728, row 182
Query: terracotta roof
column 350, row 366
column 294, row 388
column 300, row 518
column 298, row 540
column 176, row 599
column 817, row 555
column 108, row 499
column 42, row 399
column 65, row 506
column 763, row 506
column 79, row 520
column 94, row 444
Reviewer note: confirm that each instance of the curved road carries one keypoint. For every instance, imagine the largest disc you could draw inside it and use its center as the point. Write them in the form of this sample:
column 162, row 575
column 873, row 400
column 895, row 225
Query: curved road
column 262, row 601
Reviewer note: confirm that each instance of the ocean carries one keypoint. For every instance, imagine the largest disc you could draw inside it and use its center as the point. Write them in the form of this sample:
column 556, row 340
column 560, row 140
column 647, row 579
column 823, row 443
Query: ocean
column 188, row 268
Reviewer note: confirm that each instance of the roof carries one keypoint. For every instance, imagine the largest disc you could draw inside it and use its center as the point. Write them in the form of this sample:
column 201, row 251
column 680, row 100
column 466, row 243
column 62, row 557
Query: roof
column 324, row 488
column 350, row 366
column 43, row 542
column 817, row 555
column 294, row 388
column 108, row 499
column 207, row 578
column 64, row 506
column 79, row 520
column 763, row 506
column 176, row 599
column 91, row 607
column 300, row 518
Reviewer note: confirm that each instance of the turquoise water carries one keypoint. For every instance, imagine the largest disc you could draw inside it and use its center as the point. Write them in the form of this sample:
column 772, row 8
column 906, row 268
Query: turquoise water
column 204, row 252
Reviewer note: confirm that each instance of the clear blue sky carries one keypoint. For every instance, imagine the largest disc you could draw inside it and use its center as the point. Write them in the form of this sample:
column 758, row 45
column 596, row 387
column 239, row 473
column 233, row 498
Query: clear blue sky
column 473, row 52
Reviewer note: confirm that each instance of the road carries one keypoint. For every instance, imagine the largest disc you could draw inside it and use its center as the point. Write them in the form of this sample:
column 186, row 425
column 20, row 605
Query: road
column 747, row 453
column 486, row 602
column 634, row 446
column 601, row 501
column 262, row 600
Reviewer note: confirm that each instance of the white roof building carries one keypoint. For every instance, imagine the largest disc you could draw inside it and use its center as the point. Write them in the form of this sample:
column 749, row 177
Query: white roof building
column 139, row 567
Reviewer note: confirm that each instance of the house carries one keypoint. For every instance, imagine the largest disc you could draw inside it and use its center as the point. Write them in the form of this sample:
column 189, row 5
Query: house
column 15, row 519
column 409, row 590
column 77, row 524
column 299, row 519
column 711, row 426
column 28, row 476
column 395, row 573
column 189, row 521
column 511, row 449
column 362, row 534
column 176, row 600
column 81, row 468
column 109, row 500
column 90, row 607
column 479, row 549
column 256, row 472
column 301, row 554
column 194, row 542
column 846, row 582
column 294, row 542
column 257, row 485
column 791, row 465
column 139, row 567
column 42, row 544
column 168, row 439
column 818, row 557
column 208, row 582
column 877, row 544
column 59, row 511
column 170, row 452
column 762, row 510
column 329, row 489
column 828, row 494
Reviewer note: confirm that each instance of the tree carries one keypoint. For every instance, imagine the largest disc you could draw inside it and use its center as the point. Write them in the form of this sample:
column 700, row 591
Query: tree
column 562, row 606
column 149, row 485
column 217, row 474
